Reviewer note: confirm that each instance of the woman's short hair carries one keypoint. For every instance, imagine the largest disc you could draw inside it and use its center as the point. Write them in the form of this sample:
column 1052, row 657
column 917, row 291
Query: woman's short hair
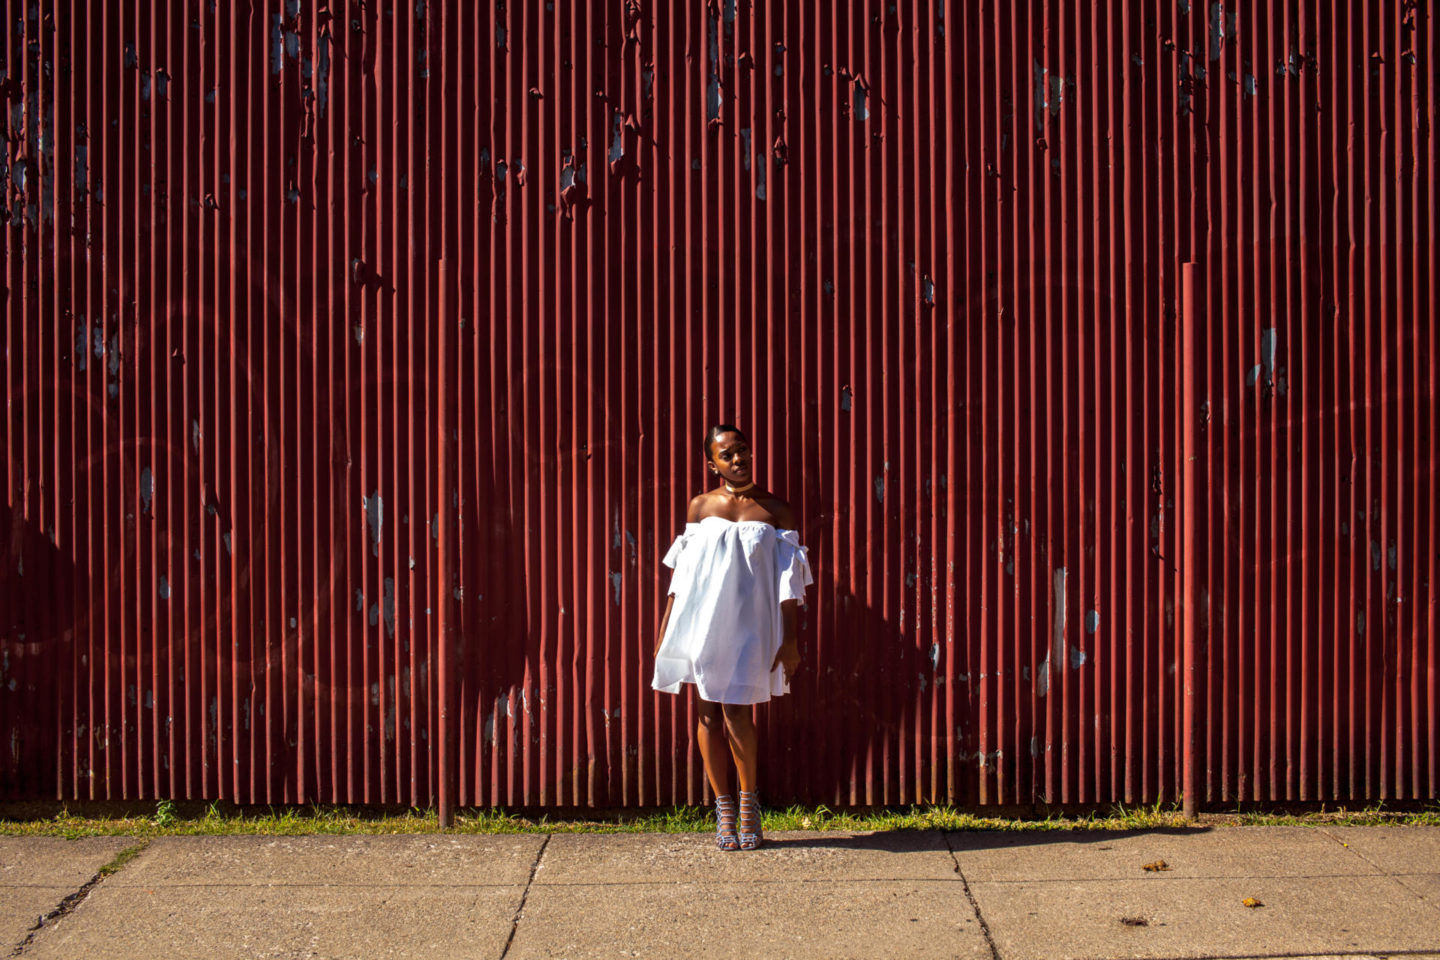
column 713, row 434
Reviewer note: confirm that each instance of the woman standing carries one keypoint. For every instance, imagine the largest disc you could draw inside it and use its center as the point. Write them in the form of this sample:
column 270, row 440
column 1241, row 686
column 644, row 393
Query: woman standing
column 731, row 621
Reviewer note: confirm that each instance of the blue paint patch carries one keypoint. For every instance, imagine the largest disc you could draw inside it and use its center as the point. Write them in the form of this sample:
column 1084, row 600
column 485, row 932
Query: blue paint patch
column 1267, row 350
column 322, row 82
column 82, row 168
column 147, row 489
column 861, row 102
column 374, row 507
column 389, row 599
column 714, row 98
column 277, row 44
column 617, row 138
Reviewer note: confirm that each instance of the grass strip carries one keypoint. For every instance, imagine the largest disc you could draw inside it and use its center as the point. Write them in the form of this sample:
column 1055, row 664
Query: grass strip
column 323, row 819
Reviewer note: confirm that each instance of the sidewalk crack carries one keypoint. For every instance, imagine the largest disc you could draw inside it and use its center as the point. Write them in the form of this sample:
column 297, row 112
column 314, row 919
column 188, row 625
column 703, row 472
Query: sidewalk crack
column 68, row 905
column 974, row 904
column 1357, row 853
column 520, row 909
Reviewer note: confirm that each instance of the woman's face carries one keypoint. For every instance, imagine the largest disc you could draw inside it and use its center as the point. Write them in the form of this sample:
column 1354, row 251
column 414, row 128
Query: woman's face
column 730, row 457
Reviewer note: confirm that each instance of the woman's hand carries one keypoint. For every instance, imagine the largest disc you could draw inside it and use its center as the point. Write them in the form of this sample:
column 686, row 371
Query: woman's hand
column 788, row 656
column 789, row 653
column 664, row 622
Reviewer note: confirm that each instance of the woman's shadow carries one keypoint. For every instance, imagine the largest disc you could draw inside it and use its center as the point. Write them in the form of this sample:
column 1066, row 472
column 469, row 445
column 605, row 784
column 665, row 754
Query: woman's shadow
column 39, row 592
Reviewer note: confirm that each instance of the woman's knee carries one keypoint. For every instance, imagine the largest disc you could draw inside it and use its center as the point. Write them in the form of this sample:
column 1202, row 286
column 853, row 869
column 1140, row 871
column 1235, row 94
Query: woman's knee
column 709, row 715
column 738, row 717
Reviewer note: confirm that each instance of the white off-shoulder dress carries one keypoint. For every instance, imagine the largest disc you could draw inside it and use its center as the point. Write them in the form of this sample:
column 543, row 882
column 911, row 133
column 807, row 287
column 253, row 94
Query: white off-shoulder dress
column 725, row 626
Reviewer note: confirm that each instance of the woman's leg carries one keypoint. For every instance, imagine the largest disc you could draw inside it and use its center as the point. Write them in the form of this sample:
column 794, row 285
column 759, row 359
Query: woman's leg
column 744, row 744
column 711, row 734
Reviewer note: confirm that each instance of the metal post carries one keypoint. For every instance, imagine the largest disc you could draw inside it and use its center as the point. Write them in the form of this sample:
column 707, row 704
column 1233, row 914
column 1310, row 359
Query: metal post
column 445, row 508
column 1189, row 498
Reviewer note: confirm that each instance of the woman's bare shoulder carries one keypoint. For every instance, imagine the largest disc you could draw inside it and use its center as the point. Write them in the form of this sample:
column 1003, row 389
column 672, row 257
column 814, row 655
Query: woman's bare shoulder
column 700, row 507
column 784, row 517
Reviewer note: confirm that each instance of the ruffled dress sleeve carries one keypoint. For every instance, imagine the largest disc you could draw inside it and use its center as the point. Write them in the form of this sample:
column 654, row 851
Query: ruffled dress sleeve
column 793, row 564
column 676, row 559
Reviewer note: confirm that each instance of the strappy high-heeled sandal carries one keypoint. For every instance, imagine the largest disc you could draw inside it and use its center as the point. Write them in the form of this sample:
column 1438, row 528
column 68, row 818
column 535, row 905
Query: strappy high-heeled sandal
column 750, row 833
column 725, row 837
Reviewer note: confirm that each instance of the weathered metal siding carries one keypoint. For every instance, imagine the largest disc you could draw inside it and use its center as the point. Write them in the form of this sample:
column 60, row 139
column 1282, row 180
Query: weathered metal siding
column 928, row 254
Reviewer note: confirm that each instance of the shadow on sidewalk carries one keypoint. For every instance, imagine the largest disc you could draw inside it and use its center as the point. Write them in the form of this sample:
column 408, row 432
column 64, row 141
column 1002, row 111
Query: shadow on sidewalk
column 916, row 841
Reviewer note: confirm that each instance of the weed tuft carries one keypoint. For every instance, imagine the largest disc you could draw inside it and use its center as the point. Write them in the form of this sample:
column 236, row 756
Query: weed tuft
column 123, row 857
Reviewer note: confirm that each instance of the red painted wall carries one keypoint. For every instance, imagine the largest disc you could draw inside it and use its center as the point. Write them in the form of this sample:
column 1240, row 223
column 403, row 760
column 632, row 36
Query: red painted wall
column 927, row 254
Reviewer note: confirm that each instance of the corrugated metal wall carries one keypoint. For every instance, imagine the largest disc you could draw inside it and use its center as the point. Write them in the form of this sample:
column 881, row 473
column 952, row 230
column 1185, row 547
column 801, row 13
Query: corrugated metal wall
column 928, row 254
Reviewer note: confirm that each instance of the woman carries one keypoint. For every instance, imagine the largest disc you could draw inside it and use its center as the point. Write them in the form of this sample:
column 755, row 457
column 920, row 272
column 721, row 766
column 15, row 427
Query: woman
column 730, row 623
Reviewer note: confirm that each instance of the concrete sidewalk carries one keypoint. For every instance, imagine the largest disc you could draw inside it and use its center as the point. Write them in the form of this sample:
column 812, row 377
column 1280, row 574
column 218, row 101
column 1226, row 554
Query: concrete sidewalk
column 1352, row 891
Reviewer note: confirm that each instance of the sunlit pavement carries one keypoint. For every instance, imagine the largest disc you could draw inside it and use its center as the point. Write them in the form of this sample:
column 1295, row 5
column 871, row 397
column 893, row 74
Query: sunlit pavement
column 1228, row 892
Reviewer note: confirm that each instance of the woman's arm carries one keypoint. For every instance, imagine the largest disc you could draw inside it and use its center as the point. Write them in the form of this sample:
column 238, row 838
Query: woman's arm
column 788, row 655
column 664, row 622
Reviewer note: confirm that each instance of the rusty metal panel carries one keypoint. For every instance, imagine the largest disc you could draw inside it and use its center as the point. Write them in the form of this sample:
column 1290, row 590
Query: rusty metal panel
column 929, row 254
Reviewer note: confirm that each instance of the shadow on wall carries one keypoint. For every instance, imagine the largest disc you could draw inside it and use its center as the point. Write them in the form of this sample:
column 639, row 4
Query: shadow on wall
column 858, row 728
column 40, row 591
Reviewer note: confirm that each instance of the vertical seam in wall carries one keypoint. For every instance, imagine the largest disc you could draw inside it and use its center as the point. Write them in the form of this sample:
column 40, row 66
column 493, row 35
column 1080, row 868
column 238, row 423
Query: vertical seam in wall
column 520, row 908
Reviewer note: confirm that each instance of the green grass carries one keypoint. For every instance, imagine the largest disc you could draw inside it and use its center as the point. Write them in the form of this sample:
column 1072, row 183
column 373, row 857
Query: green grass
column 169, row 820
column 123, row 857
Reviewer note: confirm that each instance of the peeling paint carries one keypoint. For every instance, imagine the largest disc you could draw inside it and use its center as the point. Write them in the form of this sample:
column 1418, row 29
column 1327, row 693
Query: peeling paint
column 1268, row 342
column 1056, row 653
column 714, row 98
column 374, row 507
column 861, row 105
column 389, row 599
column 617, row 141
column 1217, row 30
column 147, row 489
